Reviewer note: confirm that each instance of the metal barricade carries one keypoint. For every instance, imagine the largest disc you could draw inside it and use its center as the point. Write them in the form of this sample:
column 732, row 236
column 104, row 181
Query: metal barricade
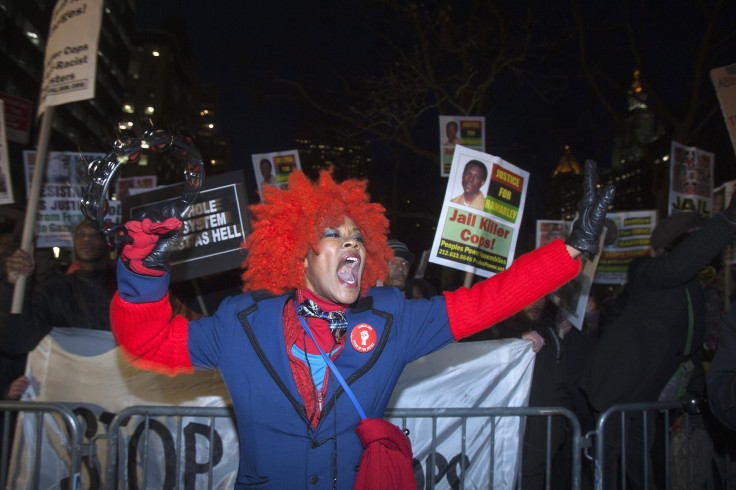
column 146, row 412
column 618, row 416
column 493, row 413
column 637, row 423
column 463, row 414
column 75, row 432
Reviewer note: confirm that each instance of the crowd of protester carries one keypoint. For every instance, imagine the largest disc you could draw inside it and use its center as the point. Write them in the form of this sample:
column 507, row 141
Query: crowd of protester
column 631, row 342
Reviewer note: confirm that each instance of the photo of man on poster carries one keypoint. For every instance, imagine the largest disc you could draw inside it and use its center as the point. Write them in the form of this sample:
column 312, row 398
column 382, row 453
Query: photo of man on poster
column 474, row 176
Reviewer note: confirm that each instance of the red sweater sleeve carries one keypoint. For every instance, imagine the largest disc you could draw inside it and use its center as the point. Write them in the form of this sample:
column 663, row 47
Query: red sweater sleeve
column 530, row 277
column 150, row 336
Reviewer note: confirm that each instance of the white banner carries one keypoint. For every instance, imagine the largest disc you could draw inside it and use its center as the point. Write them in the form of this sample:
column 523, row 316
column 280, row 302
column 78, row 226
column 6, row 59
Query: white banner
column 724, row 80
column 70, row 59
column 6, row 182
column 83, row 368
column 494, row 373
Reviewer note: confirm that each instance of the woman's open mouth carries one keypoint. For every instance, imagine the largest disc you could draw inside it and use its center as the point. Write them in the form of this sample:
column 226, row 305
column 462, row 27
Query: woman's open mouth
column 349, row 270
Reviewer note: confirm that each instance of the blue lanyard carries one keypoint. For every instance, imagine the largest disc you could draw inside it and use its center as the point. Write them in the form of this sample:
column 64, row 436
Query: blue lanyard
column 332, row 366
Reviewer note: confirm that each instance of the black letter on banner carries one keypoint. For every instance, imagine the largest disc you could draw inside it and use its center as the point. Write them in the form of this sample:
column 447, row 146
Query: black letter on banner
column 89, row 462
column 169, row 453
column 191, row 467
column 441, row 464
column 452, row 474
column 418, row 473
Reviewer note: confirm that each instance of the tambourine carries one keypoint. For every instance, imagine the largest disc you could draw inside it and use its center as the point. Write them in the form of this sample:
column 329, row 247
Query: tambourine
column 102, row 174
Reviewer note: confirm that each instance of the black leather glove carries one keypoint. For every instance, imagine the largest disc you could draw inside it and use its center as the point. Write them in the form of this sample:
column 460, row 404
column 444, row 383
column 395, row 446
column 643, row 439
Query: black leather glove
column 591, row 212
column 155, row 233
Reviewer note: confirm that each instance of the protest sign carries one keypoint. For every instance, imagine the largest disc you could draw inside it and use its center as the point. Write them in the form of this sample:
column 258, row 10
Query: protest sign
column 64, row 184
column 469, row 131
column 480, row 235
column 572, row 298
column 275, row 168
column 724, row 81
column 627, row 237
column 214, row 226
column 6, row 183
column 126, row 186
column 691, row 180
column 70, row 58
column 550, row 230
column 18, row 118
column 86, row 371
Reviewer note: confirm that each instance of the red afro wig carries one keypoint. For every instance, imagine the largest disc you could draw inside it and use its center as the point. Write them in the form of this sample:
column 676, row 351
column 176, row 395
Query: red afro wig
column 287, row 223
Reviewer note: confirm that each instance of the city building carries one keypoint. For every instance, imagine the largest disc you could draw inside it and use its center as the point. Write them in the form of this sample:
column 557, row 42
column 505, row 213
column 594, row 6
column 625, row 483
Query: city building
column 87, row 125
column 163, row 91
column 638, row 165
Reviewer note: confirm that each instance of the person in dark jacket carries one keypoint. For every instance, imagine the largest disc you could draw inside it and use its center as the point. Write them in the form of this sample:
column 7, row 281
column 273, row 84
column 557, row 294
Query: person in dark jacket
column 640, row 351
column 80, row 298
column 722, row 374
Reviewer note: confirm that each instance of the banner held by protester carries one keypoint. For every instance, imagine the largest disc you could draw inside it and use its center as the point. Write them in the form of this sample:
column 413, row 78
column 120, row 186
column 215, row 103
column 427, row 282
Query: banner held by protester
column 85, row 369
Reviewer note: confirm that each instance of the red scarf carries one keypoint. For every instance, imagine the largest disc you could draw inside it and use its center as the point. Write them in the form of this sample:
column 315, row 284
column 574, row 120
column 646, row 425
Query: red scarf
column 294, row 334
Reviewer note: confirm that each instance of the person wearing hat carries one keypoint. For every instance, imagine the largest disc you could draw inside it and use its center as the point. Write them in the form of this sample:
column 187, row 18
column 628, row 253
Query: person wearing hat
column 308, row 313
column 640, row 350
column 398, row 267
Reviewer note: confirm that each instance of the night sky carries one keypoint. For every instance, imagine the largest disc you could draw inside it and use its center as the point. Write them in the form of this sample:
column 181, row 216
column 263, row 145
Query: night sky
column 242, row 46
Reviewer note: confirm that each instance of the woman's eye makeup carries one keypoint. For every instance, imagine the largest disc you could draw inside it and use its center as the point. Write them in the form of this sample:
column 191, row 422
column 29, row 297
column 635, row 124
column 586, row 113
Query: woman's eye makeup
column 332, row 233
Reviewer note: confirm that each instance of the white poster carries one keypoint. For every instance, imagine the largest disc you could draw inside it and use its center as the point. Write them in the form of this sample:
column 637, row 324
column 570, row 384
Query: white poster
column 85, row 369
column 70, row 59
column 468, row 131
column 724, row 80
column 275, row 168
column 691, row 180
column 481, row 213
column 63, row 186
column 6, row 183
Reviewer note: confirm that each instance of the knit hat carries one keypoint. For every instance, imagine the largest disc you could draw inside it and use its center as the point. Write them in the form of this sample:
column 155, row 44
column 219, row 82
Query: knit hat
column 672, row 227
column 401, row 250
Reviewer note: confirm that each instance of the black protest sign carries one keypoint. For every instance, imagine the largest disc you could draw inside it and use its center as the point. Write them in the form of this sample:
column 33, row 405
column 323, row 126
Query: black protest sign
column 213, row 228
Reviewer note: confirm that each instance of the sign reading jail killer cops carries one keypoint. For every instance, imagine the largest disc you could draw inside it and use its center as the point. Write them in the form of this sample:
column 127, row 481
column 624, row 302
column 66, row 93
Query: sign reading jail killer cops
column 627, row 237
column 70, row 60
column 213, row 229
column 481, row 214
column 64, row 184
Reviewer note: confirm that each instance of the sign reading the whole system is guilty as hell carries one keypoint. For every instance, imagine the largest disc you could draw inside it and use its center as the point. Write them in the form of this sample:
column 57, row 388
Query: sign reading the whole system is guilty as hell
column 213, row 228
